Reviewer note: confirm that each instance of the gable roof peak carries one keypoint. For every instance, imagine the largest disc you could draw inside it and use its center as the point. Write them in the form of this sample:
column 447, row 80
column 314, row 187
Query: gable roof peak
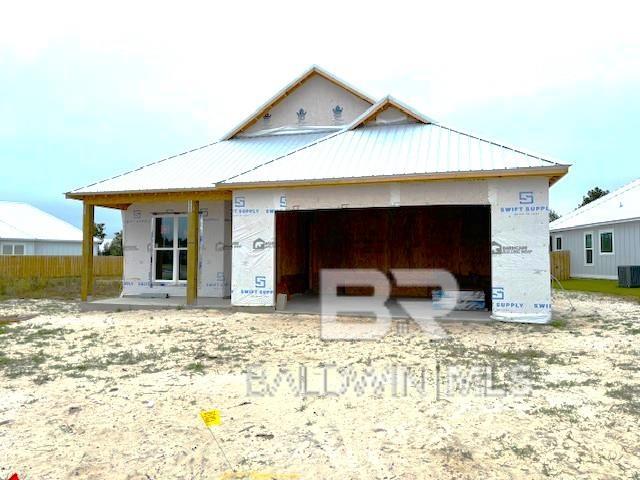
column 388, row 101
column 281, row 94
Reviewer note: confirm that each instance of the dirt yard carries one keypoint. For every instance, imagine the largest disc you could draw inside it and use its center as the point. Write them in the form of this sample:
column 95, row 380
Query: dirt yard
column 117, row 395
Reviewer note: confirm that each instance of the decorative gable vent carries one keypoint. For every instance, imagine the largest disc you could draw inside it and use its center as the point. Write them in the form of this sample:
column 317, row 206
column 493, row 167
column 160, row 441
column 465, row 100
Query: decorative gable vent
column 302, row 115
column 266, row 120
column 337, row 113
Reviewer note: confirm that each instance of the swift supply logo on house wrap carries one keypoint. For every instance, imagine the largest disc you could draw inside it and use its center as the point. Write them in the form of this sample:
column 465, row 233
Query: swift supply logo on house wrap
column 519, row 250
column 507, row 301
column 253, row 240
column 241, row 208
column 526, row 205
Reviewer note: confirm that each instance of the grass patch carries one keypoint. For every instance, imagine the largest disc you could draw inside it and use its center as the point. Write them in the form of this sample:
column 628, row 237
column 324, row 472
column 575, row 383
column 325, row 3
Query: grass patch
column 629, row 395
column 56, row 288
column 196, row 367
column 559, row 323
column 523, row 452
column 37, row 334
column 564, row 412
column 149, row 359
column 589, row 382
column 609, row 287
column 14, row 367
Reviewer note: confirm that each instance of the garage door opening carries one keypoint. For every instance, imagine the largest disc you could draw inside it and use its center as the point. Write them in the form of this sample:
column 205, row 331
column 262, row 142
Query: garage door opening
column 454, row 238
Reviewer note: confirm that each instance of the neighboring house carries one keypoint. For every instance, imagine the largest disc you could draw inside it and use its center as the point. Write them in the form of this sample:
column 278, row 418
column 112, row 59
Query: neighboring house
column 322, row 176
column 602, row 235
column 26, row 230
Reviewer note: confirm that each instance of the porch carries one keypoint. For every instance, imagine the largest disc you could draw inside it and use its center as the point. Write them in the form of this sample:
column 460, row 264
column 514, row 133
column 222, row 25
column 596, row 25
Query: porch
column 190, row 202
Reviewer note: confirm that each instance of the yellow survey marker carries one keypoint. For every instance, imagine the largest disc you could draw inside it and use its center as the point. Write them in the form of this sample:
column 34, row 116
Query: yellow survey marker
column 211, row 418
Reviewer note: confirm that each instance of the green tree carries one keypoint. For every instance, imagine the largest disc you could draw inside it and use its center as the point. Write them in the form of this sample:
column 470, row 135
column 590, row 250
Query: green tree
column 115, row 247
column 553, row 216
column 593, row 194
column 98, row 231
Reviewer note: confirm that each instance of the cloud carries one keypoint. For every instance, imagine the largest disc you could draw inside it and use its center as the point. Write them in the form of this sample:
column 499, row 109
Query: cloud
column 219, row 60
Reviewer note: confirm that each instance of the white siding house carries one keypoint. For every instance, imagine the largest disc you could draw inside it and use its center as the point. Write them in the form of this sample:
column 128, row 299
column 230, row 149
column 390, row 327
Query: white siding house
column 26, row 230
column 601, row 235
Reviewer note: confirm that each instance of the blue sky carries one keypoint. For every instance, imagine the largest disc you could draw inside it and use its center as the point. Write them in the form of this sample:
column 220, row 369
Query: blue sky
column 88, row 92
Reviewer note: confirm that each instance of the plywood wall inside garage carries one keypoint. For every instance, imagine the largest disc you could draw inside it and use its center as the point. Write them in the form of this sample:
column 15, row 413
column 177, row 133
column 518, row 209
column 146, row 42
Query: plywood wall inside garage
column 449, row 237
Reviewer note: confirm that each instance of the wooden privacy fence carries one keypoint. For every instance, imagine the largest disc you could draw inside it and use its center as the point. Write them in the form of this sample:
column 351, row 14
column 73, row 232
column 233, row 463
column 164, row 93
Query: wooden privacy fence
column 561, row 264
column 46, row 266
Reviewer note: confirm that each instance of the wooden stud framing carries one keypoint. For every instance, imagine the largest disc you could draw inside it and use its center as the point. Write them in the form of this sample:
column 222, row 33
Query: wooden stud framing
column 193, row 242
column 87, row 252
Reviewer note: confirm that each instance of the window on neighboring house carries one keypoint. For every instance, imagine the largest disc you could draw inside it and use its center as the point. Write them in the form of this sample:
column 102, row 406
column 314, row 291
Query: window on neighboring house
column 588, row 249
column 606, row 242
column 170, row 248
column 558, row 243
column 12, row 249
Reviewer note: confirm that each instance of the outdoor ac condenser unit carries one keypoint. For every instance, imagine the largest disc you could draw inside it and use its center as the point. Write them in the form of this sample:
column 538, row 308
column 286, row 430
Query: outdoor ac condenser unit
column 629, row 276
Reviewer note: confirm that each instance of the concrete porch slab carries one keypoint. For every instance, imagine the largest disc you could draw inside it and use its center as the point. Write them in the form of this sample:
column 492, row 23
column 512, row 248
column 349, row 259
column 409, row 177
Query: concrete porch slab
column 310, row 304
column 118, row 304
column 297, row 305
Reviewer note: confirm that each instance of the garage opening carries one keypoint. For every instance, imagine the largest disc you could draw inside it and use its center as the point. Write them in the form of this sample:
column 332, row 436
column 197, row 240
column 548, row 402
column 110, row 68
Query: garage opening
column 454, row 238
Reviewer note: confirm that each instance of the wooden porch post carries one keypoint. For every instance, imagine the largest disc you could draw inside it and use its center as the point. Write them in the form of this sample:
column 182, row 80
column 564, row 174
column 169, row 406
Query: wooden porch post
column 193, row 242
column 86, row 287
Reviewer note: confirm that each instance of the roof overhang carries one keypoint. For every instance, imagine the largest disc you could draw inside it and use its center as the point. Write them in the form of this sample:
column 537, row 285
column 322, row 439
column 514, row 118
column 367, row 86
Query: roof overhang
column 122, row 200
column 552, row 172
column 593, row 225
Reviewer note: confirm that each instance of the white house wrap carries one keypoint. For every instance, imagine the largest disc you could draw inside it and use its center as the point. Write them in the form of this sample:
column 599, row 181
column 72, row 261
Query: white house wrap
column 322, row 176
column 520, row 250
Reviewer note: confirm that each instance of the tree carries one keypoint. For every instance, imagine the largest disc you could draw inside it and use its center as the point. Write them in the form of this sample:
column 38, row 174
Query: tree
column 98, row 231
column 115, row 246
column 553, row 216
column 593, row 194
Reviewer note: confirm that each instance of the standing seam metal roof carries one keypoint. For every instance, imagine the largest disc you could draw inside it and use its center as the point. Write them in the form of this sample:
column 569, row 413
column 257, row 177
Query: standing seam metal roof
column 205, row 166
column 618, row 206
column 389, row 150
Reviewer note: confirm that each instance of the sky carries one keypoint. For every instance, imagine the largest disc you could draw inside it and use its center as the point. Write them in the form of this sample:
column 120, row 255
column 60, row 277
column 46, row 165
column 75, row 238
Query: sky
column 89, row 90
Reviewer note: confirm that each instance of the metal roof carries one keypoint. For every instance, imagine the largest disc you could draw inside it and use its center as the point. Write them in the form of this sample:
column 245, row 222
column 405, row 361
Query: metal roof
column 360, row 150
column 618, row 206
column 205, row 166
column 21, row 221
column 392, row 150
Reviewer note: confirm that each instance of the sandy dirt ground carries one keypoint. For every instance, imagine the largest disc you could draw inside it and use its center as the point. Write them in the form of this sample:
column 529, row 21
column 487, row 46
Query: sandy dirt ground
column 117, row 395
